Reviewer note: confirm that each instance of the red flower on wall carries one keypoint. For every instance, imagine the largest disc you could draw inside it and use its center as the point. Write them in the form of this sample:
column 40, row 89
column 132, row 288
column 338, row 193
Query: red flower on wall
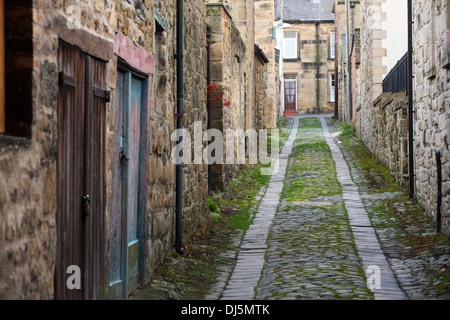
column 216, row 93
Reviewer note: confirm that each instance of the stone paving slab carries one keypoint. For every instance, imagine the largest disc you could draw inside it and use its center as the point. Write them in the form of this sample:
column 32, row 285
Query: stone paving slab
column 251, row 258
column 365, row 237
column 317, row 266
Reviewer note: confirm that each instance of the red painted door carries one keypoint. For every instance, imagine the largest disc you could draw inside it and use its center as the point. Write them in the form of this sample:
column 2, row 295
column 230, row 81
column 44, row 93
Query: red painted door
column 290, row 96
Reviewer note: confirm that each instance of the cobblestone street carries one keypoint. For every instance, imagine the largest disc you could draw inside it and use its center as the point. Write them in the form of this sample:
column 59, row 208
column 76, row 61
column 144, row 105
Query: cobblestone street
column 312, row 237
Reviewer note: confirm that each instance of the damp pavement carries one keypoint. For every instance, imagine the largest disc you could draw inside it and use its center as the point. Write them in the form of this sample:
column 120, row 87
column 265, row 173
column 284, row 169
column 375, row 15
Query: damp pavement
column 312, row 237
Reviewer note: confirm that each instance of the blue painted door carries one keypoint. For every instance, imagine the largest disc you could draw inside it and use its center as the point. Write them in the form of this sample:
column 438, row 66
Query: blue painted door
column 128, row 200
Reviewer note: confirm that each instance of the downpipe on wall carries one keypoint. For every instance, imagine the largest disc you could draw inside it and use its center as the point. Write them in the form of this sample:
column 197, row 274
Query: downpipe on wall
column 347, row 44
column 208, row 81
column 179, row 116
column 439, row 191
column 317, row 68
column 410, row 102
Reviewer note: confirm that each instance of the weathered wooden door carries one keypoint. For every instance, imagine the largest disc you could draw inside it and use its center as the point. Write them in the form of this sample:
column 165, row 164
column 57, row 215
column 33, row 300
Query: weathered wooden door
column 126, row 246
column 290, row 95
column 81, row 132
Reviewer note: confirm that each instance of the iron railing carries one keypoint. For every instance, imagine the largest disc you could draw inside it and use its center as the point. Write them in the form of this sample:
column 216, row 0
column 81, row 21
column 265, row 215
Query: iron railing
column 396, row 80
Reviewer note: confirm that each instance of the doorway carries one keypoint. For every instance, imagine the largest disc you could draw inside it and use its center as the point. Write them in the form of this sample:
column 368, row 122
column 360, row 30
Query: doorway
column 81, row 172
column 290, row 95
column 128, row 216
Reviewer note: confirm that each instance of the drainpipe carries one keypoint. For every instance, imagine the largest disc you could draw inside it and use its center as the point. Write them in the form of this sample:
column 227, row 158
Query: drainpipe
column 439, row 191
column 179, row 116
column 336, row 73
column 317, row 69
column 208, row 81
column 349, row 99
column 410, row 102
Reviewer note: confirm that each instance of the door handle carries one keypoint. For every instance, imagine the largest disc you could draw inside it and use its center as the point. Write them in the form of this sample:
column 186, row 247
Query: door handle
column 123, row 156
column 86, row 199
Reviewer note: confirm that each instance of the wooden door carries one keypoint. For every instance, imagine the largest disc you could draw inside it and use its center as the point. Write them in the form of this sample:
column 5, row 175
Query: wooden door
column 128, row 219
column 94, row 178
column 81, row 131
column 290, row 95
column 130, row 167
column 70, row 168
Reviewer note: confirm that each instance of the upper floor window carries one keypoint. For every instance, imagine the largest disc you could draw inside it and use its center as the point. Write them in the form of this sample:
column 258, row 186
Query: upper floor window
column 290, row 45
column 332, row 45
column 2, row 66
column 16, row 67
column 332, row 81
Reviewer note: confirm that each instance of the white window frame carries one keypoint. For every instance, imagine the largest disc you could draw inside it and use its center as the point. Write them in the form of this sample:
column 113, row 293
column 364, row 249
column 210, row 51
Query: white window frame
column 332, row 45
column 331, row 87
column 294, row 41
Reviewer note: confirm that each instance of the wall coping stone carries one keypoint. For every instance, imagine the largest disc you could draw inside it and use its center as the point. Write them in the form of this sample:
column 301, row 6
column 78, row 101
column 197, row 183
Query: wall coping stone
column 216, row 4
column 382, row 96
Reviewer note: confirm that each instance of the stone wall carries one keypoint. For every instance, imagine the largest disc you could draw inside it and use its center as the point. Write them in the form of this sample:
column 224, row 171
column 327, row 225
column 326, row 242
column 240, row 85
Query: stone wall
column 432, row 103
column 242, row 12
column 28, row 166
column 431, row 49
column 354, row 19
column 390, row 134
column 371, row 67
column 226, row 52
column 264, row 13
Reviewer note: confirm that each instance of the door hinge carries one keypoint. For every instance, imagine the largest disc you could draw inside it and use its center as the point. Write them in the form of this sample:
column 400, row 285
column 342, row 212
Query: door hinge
column 102, row 94
column 66, row 80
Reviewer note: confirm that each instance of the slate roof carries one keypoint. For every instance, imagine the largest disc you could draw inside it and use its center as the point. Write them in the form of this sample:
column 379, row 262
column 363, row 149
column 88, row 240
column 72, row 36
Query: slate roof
column 308, row 10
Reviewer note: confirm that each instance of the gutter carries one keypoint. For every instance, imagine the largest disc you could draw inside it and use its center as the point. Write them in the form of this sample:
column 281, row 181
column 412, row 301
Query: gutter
column 261, row 55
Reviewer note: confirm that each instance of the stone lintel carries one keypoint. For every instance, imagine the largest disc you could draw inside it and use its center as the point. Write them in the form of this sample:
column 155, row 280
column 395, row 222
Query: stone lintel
column 87, row 42
column 136, row 57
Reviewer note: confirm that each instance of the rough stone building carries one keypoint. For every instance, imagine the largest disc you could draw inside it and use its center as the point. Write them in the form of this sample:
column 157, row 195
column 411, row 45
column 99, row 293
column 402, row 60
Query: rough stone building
column 238, row 67
column 309, row 53
column 348, row 58
column 264, row 12
column 85, row 172
column 381, row 118
column 228, row 71
column 431, row 44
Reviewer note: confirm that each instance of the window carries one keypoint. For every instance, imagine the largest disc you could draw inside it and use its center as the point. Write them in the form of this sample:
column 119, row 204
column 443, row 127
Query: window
column 2, row 66
column 332, row 45
column 16, row 67
column 290, row 45
column 332, row 87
